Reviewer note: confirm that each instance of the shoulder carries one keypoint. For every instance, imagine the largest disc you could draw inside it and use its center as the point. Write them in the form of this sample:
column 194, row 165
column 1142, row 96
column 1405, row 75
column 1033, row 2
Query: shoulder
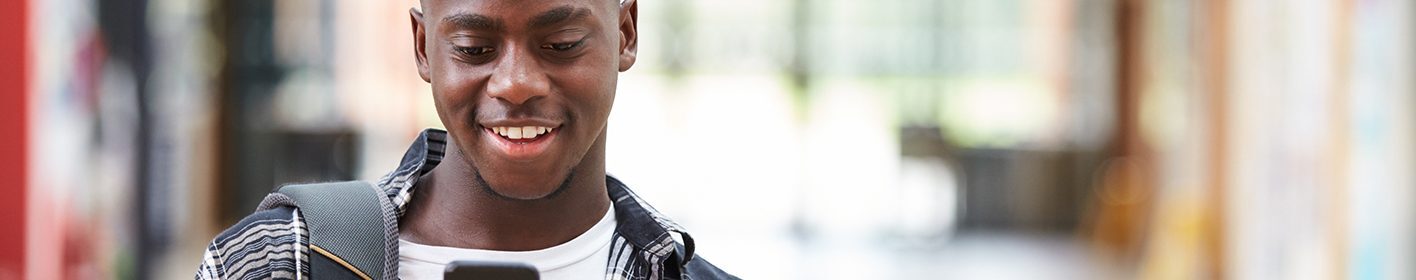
column 265, row 244
column 262, row 226
column 699, row 268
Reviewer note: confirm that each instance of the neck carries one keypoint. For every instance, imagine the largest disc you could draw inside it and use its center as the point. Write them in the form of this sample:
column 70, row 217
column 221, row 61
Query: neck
column 451, row 208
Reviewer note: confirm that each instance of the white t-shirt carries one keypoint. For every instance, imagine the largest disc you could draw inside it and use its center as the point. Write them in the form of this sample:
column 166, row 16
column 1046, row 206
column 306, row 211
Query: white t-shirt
column 584, row 257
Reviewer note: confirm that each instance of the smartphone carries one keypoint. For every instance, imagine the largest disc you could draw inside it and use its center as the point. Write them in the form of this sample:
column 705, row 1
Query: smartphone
column 478, row 270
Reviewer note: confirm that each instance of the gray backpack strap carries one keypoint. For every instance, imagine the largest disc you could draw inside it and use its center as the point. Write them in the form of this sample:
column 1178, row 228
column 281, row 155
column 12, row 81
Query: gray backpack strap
column 349, row 228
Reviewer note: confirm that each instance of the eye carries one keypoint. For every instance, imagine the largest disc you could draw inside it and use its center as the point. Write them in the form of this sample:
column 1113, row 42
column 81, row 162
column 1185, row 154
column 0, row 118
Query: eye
column 563, row 46
column 472, row 51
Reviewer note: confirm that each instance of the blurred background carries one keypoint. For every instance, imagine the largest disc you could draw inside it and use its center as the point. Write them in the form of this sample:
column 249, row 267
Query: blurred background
column 795, row 139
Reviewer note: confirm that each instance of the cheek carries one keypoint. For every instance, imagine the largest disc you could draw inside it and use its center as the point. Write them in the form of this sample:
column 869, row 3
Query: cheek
column 591, row 92
column 599, row 81
column 453, row 95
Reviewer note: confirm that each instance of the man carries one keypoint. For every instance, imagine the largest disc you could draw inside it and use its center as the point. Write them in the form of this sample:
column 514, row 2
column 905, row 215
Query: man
column 524, row 88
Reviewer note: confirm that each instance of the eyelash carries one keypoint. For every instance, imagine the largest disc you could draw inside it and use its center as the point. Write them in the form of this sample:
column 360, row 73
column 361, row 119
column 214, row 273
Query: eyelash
column 556, row 47
column 473, row 51
column 563, row 47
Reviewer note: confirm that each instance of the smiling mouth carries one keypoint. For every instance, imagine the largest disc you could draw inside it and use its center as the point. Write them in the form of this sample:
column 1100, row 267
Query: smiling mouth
column 522, row 133
column 521, row 143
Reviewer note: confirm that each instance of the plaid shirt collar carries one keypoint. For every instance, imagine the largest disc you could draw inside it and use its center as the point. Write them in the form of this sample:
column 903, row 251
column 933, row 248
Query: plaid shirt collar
column 642, row 247
column 643, row 240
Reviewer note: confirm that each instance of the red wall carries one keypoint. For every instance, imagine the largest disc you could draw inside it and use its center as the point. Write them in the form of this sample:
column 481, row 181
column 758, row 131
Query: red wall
column 14, row 93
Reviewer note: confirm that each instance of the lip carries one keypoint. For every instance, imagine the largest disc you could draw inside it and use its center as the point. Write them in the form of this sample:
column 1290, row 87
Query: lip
column 520, row 122
column 520, row 150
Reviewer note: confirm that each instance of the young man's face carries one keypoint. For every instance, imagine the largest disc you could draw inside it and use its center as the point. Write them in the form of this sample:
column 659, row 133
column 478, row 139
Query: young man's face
column 524, row 86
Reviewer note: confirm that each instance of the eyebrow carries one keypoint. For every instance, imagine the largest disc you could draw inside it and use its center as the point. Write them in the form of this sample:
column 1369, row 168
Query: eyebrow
column 557, row 15
column 474, row 21
column 544, row 19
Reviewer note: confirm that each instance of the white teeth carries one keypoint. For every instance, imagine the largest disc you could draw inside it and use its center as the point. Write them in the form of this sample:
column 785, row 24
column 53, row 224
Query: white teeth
column 522, row 132
column 513, row 132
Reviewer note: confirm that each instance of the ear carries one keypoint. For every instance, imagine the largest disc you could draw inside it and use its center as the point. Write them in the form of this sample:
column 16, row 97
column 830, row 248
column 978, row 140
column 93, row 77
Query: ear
column 629, row 34
column 420, row 39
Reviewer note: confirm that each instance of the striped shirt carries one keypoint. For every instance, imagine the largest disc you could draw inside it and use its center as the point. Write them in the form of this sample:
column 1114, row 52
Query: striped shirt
column 272, row 242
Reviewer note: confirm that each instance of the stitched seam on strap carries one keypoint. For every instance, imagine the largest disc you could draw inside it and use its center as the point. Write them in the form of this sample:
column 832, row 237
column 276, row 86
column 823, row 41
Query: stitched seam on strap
column 340, row 261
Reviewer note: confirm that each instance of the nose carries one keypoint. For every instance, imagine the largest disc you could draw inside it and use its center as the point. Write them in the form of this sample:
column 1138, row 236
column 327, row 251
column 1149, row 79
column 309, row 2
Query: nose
column 517, row 78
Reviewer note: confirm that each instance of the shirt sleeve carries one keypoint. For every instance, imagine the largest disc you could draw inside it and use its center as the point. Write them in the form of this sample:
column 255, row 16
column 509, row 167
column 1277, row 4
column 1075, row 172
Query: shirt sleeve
column 268, row 244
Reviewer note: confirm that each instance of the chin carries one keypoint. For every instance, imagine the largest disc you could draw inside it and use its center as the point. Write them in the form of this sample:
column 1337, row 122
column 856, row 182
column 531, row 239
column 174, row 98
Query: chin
column 515, row 188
